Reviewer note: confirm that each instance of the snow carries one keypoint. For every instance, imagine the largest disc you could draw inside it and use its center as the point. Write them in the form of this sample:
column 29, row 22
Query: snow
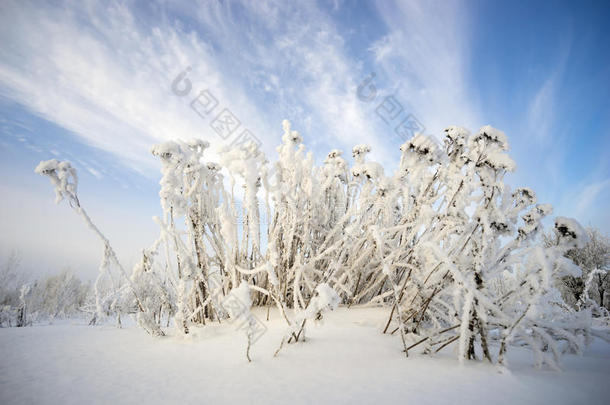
column 345, row 360
column 242, row 294
column 570, row 229
column 422, row 145
column 46, row 166
column 494, row 135
column 500, row 160
column 326, row 298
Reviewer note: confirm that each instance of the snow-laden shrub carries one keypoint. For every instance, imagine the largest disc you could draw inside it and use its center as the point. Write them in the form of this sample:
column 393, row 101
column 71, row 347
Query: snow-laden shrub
column 443, row 242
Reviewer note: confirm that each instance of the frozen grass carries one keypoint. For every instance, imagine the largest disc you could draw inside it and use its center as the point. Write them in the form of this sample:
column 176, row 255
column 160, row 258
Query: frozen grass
column 345, row 360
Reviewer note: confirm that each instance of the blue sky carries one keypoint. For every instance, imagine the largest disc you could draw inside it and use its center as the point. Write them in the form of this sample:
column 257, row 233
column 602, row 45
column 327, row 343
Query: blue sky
column 91, row 82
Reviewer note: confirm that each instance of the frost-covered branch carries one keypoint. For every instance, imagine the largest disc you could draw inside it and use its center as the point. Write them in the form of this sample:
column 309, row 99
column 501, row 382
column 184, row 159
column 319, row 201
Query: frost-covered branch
column 443, row 242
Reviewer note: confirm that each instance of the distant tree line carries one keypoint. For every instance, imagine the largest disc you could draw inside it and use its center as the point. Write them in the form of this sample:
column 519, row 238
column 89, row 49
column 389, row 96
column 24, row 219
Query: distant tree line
column 23, row 302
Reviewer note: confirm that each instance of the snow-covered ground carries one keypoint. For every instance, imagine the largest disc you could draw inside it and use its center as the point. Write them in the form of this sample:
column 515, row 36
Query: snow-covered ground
column 344, row 360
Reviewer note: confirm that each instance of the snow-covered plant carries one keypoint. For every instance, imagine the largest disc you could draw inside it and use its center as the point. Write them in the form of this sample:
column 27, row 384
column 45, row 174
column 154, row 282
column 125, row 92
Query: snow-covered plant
column 443, row 242
column 65, row 181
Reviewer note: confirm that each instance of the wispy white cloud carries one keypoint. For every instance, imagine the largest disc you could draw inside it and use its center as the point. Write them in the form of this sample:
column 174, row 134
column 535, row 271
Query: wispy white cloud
column 541, row 112
column 295, row 53
column 101, row 72
column 426, row 55
column 108, row 79
column 543, row 128
column 588, row 195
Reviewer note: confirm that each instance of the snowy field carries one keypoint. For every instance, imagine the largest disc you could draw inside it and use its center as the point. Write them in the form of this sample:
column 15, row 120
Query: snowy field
column 345, row 360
